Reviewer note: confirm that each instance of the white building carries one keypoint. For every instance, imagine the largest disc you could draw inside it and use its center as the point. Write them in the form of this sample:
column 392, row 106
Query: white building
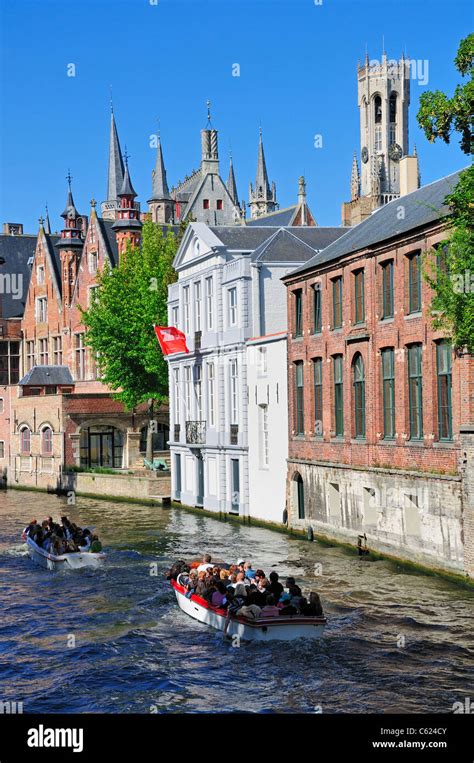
column 228, row 291
column 267, row 425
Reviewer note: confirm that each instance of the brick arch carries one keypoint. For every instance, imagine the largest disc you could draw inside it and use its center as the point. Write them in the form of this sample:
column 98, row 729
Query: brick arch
column 104, row 422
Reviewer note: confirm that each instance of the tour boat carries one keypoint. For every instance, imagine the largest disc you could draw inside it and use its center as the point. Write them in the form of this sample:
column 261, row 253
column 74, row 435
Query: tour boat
column 262, row 629
column 72, row 561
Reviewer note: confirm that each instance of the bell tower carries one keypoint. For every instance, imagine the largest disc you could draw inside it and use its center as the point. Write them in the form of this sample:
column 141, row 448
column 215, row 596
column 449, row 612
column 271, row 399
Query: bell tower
column 387, row 171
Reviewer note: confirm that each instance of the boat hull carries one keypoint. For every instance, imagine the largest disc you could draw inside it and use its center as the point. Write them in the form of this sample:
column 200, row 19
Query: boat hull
column 262, row 629
column 74, row 561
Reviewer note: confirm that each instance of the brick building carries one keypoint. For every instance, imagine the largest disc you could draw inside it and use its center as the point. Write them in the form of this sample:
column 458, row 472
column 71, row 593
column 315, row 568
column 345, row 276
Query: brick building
column 379, row 402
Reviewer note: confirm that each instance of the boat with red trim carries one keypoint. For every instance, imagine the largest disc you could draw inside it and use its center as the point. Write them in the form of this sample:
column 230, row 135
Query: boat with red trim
column 282, row 628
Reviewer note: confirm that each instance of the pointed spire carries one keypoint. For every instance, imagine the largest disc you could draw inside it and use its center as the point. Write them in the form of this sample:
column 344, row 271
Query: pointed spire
column 232, row 185
column 116, row 168
column 47, row 225
column 262, row 184
column 160, row 188
column 70, row 211
column 355, row 179
column 127, row 187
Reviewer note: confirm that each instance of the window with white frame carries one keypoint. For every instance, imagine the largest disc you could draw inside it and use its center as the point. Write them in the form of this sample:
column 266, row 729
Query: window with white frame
column 177, row 397
column 41, row 309
column 2, row 449
column 43, row 352
column 40, row 274
column 197, row 306
column 186, row 309
column 80, row 352
column 211, row 392
column 175, row 316
column 30, row 355
column 93, row 262
column 262, row 361
column 210, row 303
column 47, row 441
column 187, row 391
column 57, row 350
column 25, row 440
column 234, row 400
column 93, row 293
column 263, row 430
column 198, row 391
column 232, row 296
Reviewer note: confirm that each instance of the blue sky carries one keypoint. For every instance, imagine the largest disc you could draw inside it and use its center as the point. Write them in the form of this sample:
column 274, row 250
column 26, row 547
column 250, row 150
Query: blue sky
column 297, row 79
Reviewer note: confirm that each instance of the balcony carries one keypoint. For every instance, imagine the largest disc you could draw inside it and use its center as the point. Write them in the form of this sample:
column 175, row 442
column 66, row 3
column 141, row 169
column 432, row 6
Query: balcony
column 177, row 430
column 234, row 434
column 195, row 432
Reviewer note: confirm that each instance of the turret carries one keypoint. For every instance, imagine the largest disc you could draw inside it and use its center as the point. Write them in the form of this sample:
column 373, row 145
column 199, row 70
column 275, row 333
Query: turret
column 70, row 246
column 127, row 225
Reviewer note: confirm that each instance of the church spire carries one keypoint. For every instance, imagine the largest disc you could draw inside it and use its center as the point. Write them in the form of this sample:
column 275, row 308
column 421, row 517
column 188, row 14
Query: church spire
column 355, row 179
column 232, row 185
column 160, row 188
column 116, row 170
column 47, row 225
column 262, row 200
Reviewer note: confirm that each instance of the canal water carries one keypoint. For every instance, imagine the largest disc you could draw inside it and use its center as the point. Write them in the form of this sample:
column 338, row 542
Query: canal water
column 395, row 642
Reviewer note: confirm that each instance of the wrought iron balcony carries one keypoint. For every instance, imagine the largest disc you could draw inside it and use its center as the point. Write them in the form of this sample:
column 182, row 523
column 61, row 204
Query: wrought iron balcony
column 177, row 431
column 234, row 434
column 195, row 432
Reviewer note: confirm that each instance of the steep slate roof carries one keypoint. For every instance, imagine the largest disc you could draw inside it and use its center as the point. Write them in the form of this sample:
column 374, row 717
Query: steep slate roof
column 283, row 246
column 160, row 188
column 116, row 168
column 16, row 251
column 110, row 238
column 424, row 206
column 240, row 237
column 44, row 375
column 280, row 217
column 318, row 237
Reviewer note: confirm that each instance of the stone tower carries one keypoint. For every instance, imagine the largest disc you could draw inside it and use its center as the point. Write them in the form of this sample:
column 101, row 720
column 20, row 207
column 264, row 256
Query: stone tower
column 262, row 199
column 387, row 171
column 161, row 205
column 128, row 226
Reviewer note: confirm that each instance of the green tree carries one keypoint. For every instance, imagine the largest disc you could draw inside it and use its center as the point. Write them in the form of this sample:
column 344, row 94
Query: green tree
column 450, row 268
column 439, row 115
column 130, row 298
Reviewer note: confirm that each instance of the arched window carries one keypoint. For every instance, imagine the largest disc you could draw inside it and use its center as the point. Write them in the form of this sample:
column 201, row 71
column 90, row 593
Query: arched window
column 378, row 109
column 393, row 108
column 298, row 494
column 358, row 374
column 25, row 440
column 47, row 441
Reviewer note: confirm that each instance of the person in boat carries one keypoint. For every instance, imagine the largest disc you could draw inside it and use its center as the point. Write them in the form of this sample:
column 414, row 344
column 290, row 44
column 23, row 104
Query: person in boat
column 270, row 609
column 275, row 587
column 250, row 611
column 224, row 576
column 219, row 595
column 239, row 598
column 66, row 527
column 286, row 608
column 96, row 545
column 249, row 572
column 312, row 607
column 206, row 563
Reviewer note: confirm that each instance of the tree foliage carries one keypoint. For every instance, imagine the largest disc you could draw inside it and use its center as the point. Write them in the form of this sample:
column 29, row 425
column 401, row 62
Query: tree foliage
column 130, row 298
column 439, row 114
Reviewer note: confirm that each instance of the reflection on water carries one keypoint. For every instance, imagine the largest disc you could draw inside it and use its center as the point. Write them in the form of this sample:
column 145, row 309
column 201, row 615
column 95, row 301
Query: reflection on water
column 395, row 641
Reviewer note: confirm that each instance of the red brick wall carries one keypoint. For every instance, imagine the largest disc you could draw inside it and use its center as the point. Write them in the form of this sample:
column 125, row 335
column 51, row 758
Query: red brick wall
column 374, row 334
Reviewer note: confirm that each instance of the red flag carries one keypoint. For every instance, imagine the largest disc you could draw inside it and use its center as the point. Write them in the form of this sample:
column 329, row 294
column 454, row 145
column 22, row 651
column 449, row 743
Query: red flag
column 171, row 339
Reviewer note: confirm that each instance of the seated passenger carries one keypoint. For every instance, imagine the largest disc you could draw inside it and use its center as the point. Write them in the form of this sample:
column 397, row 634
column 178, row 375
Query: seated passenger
column 250, row 611
column 275, row 586
column 96, row 545
column 239, row 599
column 201, row 585
column 219, row 595
column 313, row 607
column 270, row 609
column 206, row 563
column 286, row 607
column 224, row 576
column 249, row 572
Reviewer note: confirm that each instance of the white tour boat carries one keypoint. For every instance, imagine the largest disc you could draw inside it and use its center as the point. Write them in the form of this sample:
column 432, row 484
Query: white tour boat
column 262, row 629
column 72, row 561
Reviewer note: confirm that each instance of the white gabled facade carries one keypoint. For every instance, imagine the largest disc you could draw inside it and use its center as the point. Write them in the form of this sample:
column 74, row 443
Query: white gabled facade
column 228, row 291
